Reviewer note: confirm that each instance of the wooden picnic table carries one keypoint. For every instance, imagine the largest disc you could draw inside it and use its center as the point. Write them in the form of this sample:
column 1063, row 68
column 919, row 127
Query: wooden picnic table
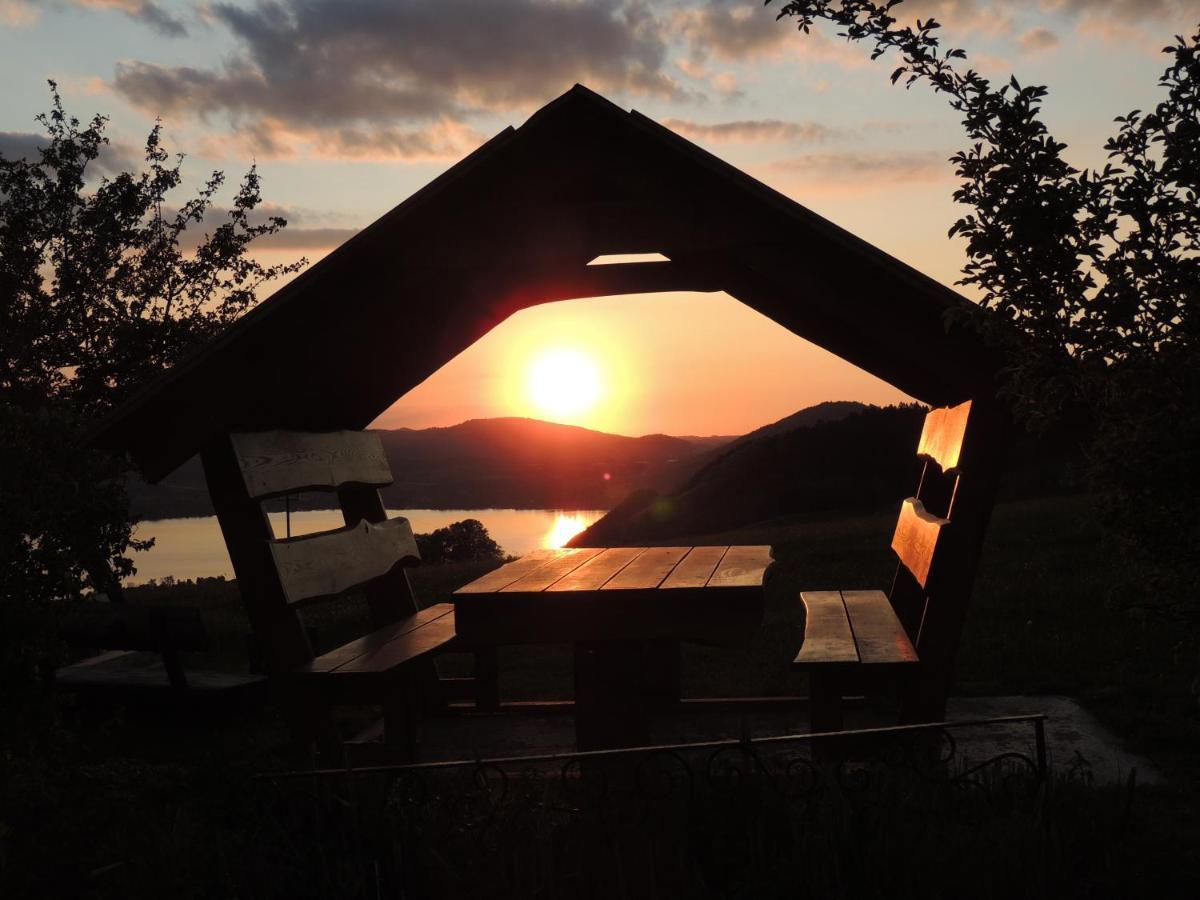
column 625, row 609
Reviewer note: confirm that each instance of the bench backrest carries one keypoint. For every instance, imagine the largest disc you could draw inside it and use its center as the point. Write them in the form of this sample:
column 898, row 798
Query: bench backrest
column 938, row 539
column 277, row 576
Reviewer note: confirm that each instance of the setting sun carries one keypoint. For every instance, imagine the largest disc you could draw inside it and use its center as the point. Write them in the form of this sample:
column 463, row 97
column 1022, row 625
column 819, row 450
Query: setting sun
column 563, row 383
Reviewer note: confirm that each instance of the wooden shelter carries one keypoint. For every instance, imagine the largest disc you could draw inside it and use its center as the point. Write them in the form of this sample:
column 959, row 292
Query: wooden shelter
column 516, row 224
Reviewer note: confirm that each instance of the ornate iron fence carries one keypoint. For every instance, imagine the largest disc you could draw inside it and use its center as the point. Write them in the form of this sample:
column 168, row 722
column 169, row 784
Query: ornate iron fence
column 739, row 817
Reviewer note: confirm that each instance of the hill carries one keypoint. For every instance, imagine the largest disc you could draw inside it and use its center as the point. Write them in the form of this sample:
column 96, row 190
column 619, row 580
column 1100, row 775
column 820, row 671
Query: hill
column 829, row 411
column 842, row 457
column 504, row 462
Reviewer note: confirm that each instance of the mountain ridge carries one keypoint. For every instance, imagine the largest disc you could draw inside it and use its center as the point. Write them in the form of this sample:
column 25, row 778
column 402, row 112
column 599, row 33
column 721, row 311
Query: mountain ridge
column 503, row 462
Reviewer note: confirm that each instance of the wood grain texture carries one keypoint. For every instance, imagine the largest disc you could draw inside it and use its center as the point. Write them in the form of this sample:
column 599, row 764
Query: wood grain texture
column 509, row 572
column 328, row 564
column 561, row 565
column 916, row 539
column 593, row 574
column 878, row 634
column 372, row 642
column 403, row 648
column 274, row 463
column 942, row 435
column 695, row 569
column 578, row 605
column 742, row 566
column 828, row 638
column 648, row 570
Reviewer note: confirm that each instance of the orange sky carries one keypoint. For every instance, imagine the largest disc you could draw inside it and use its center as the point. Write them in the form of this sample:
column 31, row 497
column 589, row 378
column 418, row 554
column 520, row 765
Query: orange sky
column 672, row 363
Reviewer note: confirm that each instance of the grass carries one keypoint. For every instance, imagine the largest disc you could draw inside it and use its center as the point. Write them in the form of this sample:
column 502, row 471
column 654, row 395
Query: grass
column 154, row 803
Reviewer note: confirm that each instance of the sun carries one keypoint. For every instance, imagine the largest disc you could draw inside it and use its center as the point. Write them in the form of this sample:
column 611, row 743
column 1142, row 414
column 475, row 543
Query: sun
column 563, row 383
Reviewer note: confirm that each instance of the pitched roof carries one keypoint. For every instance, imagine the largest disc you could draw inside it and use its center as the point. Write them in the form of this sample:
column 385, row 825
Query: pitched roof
column 514, row 224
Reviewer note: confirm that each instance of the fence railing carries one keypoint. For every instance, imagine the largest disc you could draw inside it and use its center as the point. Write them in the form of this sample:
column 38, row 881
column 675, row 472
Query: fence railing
column 665, row 820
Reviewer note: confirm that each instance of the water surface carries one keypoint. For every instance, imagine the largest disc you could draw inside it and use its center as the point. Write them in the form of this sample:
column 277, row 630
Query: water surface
column 193, row 548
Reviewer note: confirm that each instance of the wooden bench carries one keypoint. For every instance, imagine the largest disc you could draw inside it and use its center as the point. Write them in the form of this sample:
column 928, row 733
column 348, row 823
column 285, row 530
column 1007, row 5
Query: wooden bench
column 142, row 652
column 855, row 639
column 391, row 666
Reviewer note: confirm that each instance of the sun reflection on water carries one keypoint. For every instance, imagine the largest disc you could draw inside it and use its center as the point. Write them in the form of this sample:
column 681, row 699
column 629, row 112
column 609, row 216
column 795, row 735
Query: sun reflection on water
column 566, row 526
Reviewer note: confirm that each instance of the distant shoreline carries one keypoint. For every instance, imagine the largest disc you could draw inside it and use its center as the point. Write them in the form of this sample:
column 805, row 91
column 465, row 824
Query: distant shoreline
column 395, row 509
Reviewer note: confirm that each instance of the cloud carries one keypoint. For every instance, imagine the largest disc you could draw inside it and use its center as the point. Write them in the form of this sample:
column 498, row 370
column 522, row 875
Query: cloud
column 731, row 32
column 114, row 157
column 979, row 13
column 18, row 13
column 307, row 230
column 25, row 12
column 271, row 138
column 147, row 12
column 1036, row 39
column 755, row 131
column 399, row 79
column 740, row 31
column 1130, row 11
column 903, row 167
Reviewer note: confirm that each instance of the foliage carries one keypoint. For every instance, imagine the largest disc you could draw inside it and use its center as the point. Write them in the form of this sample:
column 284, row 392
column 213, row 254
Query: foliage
column 1091, row 277
column 101, row 287
column 465, row 541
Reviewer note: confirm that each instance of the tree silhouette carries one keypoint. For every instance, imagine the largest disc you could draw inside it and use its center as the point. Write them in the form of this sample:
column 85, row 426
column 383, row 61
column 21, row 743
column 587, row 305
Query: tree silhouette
column 1092, row 276
column 464, row 541
column 101, row 287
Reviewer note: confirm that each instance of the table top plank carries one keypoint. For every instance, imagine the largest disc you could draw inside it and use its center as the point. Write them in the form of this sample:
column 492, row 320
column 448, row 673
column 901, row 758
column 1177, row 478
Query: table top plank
column 648, row 570
column 695, row 569
column 592, row 575
column 509, row 572
column 741, row 566
column 545, row 575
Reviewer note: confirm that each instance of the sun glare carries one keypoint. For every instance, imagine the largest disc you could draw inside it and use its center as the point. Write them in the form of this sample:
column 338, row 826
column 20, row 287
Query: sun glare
column 563, row 383
column 566, row 526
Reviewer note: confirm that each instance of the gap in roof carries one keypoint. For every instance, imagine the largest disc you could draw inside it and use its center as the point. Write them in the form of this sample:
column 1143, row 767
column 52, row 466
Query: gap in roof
column 609, row 259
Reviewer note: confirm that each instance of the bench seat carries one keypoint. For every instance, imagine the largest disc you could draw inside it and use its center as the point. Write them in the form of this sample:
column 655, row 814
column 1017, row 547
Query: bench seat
column 847, row 635
column 370, row 664
column 118, row 671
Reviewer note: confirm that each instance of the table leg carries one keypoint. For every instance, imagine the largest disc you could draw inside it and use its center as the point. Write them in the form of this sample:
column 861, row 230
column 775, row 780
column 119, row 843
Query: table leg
column 610, row 707
column 663, row 682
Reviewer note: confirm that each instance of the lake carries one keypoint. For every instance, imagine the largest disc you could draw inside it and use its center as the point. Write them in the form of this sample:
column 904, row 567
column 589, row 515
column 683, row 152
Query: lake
column 193, row 548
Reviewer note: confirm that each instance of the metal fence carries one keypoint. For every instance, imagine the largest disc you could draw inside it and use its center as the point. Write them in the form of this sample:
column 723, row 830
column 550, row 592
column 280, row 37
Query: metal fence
column 720, row 818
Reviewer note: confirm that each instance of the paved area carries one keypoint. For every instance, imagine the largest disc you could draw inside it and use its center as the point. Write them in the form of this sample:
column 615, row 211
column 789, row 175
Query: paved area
column 1076, row 742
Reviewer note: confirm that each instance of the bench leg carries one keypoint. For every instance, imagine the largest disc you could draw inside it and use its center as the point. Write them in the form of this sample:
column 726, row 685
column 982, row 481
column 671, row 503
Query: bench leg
column 487, row 679
column 825, row 701
column 402, row 715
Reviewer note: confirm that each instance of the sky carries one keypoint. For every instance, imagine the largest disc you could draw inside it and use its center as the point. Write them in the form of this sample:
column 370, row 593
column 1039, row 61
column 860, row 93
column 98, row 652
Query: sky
column 349, row 106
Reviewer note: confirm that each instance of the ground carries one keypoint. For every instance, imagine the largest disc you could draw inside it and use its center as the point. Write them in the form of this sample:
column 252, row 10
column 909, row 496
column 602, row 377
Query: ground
column 117, row 803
